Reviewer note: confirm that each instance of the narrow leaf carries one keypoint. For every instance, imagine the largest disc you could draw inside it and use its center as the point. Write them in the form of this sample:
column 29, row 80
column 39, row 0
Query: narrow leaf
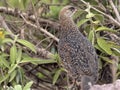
column 27, row 44
column 99, row 48
column 40, row 75
column 12, row 68
column 104, row 45
column 3, row 78
column 37, row 61
column 7, row 40
column 19, row 56
column 119, row 66
column 56, row 76
column 106, row 59
column 18, row 87
column 103, row 28
column 13, row 53
column 89, row 15
column 91, row 37
column 99, row 17
column 82, row 22
column 12, row 75
column 28, row 85
column 116, row 51
column 4, row 61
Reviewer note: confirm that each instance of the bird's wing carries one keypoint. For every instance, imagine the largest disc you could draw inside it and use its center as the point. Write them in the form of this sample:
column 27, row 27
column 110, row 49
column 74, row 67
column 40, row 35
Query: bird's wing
column 65, row 54
column 83, row 55
column 80, row 59
column 75, row 58
column 77, row 53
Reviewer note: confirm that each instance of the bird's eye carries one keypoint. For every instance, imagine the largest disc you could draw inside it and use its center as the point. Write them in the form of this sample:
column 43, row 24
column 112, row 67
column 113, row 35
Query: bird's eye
column 72, row 8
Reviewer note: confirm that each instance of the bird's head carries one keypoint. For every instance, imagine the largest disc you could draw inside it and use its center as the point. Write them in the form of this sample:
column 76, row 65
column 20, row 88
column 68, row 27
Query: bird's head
column 67, row 12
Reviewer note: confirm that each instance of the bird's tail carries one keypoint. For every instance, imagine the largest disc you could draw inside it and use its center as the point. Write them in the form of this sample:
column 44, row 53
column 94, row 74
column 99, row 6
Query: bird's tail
column 87, row 82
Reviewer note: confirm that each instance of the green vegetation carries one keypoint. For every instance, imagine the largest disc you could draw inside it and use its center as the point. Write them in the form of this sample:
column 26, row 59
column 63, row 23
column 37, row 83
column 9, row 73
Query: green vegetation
column 28, row 41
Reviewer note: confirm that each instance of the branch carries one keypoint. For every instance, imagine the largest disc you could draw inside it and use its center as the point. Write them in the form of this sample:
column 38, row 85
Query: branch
column 44, row 53
column 41, row 29
column 106, row 15
column 4, row 25
column 17, row 13
column 115, row 10
column 41, row 51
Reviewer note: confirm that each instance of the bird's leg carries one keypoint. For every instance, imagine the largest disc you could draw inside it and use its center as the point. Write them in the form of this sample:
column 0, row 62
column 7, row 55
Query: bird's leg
column 78, row 83
column 68, row 83
column 71, row 83
column 75, row 84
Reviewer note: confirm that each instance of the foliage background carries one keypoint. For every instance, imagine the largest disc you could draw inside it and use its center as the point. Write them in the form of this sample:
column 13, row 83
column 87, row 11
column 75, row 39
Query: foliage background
column 29, row 32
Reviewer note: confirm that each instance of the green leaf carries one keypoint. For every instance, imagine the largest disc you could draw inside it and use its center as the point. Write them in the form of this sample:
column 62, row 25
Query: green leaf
column 99, row 48
column 40, row 75
column 20, row 75
column 19, row 56
column 12, row 68
column 13, row 54
column 106, row 59
column 27, row 44
column 7, row 40
column 56, row 57
column 37, row 61
column 4, row 61
column 28, row 85
column 91, row 37
column 103, row 28
column 56, row 76
column 82, row 22
column 119, row 66
column 10, row 88
column 18, row 87
column 117, row 74
column 3, row 78
column 116, row 51
column 12, row 75
column 24, row 3
column 95, row 22
column 89, row 15
column 99, row 17
column 104, row 45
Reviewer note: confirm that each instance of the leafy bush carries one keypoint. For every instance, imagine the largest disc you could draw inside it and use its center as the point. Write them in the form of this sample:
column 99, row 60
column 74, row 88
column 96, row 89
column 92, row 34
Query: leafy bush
column 36, row 22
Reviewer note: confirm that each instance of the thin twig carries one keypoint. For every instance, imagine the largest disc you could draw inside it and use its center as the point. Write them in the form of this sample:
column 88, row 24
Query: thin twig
column 32, row 18
column 115, row 10
column 108, row 16
column 4, row 25
column 41, row 29
column 26, row 17
column 42, row 51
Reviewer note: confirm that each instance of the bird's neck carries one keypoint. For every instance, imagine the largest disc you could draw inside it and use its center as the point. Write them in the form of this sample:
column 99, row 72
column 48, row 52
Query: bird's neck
column 67, row 24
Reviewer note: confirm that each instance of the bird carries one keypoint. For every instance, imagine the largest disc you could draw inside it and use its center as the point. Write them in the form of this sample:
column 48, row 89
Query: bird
column 77, row 54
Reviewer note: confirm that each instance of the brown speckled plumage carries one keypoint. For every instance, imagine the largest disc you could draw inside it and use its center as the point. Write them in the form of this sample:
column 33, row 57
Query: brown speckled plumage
column 76, row 52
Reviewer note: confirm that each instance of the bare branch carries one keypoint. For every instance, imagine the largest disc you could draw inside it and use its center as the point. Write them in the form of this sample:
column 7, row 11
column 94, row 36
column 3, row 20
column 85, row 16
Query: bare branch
column 32, row 18
column 115, row 10
column 41, row 29
column 4, row 25
column 43, row 52
column 106, row 15
column 17, row 13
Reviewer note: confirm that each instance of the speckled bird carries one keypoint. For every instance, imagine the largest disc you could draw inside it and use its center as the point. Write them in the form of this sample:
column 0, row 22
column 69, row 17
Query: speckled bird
column 76, row 52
